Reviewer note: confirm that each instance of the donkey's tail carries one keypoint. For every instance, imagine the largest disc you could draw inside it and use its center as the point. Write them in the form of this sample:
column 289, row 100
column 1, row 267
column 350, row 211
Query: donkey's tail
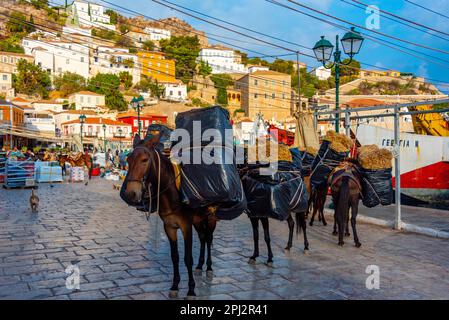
column 298, row 222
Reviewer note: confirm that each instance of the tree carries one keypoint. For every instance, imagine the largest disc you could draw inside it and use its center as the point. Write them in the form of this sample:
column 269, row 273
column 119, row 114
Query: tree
column 124, row 28
column 148, row 45
column 353, row 69
column 283, row 66
column 114, row 16
column 11, row 44
column 17, row 23
column 156, row 89
column 126, row 79
column 30, row 27
column 221, row 82
column 144, row 84
column 204, row 69
column 108, row 84
column 124, row 41
column 30, row 79
column 39, row 4
column 184, row 49
column 69, row 83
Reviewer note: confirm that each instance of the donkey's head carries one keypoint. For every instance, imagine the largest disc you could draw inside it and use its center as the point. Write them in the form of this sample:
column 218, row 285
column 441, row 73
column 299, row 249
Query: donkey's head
column 140, row 162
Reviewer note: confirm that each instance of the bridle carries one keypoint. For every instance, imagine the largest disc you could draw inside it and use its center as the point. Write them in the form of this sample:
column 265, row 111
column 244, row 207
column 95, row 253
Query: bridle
column 145, row 178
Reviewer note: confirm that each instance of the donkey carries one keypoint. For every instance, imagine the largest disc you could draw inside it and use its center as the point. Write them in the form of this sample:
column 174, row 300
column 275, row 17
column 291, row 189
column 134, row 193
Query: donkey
column 346, row 189
column 300, row 224
column 150, row 170
column 318, row 199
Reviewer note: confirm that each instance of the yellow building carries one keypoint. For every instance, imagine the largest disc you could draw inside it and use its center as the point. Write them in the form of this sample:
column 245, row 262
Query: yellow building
column 268, row 92
column 154, row 65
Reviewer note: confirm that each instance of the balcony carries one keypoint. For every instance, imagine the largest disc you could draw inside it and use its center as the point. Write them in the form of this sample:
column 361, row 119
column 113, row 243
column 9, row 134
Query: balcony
column 120, row 135
column 90, row 134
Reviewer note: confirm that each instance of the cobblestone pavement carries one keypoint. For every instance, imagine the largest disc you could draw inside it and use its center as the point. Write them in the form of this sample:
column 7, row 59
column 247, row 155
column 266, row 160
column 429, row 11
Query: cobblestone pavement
column 122, row 256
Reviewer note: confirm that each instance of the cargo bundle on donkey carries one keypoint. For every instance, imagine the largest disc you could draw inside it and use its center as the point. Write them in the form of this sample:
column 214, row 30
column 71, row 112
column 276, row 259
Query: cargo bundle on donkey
column 376, row 166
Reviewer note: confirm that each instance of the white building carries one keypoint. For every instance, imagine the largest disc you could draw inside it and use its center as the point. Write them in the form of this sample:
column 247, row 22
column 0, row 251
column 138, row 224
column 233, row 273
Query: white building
column 222, row 59
column 254, row 68
column 85, row 31
column 157, row 34
column 174, row 91
column 6, row 88
column 90, row 14
column 58, row 57
column 87, row 100
column 93, row 127
column 107, row 59
column 48, row 105
column 41, row 121
column 322, row 73
column 69, row 115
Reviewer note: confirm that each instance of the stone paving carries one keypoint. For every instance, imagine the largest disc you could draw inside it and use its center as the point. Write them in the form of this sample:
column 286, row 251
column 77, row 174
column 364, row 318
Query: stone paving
column 122, row 256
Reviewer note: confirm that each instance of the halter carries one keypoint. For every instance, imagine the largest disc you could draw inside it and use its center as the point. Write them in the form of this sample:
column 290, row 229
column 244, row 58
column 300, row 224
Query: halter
column 144, row 179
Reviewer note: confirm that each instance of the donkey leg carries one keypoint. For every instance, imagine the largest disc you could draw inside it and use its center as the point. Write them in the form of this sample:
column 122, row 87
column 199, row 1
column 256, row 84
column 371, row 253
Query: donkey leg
column 322, row 202
column 209, row 238
column 173, row 239
column 202, row 236
column 302, row 218
column 188, row 258
column 314, row 211
column 266, row 231
column 354, row 212
column 347, row 234
column 291, row 228
column 255, row 225
column 340, row 224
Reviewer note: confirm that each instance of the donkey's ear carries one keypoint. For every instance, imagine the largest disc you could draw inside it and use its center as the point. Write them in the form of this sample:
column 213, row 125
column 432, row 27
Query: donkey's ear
column 136, row 140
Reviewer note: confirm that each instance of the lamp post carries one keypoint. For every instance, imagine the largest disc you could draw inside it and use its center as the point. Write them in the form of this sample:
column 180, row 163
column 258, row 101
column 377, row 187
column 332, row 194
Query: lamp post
column 120, row 131
column 104, row 136
column 351, row 42
column 82, row 120
column 137, row 104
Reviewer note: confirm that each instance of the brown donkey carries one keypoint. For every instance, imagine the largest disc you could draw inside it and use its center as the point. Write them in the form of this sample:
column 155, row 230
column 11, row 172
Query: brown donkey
column 345, row 182
column 149, row 170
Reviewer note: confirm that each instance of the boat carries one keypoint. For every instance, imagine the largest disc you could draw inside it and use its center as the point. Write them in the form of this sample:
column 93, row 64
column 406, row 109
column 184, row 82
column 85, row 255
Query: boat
column 424, row 164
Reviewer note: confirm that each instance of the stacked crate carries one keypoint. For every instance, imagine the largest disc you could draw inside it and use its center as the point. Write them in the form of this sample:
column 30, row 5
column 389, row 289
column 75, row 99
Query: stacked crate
column 77, row 174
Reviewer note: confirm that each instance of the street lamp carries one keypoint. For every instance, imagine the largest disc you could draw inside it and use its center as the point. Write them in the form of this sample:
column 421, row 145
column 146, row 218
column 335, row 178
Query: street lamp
column 351, row 42
column 104, row 136
column 82, row 120
column 120, row 131
column 137, row 104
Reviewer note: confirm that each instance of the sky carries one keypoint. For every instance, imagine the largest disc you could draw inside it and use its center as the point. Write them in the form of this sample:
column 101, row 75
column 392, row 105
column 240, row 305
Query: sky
column 303, row 30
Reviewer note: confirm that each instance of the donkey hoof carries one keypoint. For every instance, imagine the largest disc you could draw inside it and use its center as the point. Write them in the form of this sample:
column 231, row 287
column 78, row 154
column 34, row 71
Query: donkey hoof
column 311, row 223
column 287, row 250
column 347, row 234
column 334, row 233
column 358, row 244
column 191, row 296
column 173, row 294
column 198, row 271
column 341, row 243
column 324, row 223
column 306, row 251
column 270, row 264
column 209, row 273
column 252, row 261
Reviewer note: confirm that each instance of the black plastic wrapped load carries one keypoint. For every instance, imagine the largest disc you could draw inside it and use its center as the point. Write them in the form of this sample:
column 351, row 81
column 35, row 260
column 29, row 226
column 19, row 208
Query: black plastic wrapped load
column 217, row 182
column 297, row 159
column 274, row 196
column 215, row 118
column 377, row 187
column 323, row 164
column 306, row 161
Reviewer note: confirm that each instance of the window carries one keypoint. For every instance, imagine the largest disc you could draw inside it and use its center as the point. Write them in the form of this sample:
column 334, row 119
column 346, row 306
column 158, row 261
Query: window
column 82, row 59
column 283, row 82
column 135, row 123
column 255, row 96
column 5, row 77
column 255, row 82
column 171, row 92
column 273, row 95
column 266, row 96
column 81, row 99
column 67, row 61
column 179, row 93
